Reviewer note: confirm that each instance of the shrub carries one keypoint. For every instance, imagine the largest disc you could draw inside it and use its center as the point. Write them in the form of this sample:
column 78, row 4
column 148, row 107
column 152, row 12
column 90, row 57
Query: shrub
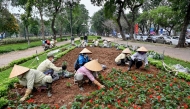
column 3, row 102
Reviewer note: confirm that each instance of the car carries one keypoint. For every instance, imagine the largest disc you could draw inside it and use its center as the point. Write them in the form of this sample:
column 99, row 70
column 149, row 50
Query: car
column 127, row 37
column 163, row 39
column 152, row 39
column 175, row 39
column 143, row 38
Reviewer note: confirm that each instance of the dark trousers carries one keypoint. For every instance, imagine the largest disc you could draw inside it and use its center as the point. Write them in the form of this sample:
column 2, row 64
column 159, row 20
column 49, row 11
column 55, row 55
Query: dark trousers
column 138, row 64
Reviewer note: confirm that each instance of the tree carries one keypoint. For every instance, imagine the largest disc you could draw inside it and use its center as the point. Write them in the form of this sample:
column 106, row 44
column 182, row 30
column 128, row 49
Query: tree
column 97, row 22
column 25, row 21
column 33, row 26
column 165, row 17
column 8, row 22
column 133, row 5
column 184, row 7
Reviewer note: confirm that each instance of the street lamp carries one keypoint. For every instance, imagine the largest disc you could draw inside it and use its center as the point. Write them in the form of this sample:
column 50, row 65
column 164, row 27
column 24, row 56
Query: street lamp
column 71, row 3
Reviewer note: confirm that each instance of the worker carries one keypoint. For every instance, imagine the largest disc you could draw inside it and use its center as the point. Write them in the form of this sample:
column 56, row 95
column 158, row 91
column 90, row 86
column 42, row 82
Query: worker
column 48, row 67
column 88, row 72
column 138, row 58
column 105, row 43
column 96, row 43
column 30, row 78
column 122, row 58
column 82, row 58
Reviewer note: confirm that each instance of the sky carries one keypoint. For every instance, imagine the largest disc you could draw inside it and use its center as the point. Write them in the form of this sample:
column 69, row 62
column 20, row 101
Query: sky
column 90, row 7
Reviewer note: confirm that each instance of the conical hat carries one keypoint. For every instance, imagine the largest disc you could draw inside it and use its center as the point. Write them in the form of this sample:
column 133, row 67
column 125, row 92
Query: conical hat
column 85, row 50
column 142, row 49
column 126, row 51
column 18, row 70
column 93, row 65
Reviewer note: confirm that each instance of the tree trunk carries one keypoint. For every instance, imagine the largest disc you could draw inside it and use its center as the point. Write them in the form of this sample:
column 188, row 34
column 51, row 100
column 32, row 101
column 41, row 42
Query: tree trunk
column 42, row 23
column 119, row 24
column 27, row 36
column 128, row 23
column 52, row 27
column 181, row 42
column 61, row 31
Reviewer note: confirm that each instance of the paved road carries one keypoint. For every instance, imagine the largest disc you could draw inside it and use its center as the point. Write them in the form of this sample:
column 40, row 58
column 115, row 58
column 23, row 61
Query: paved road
column 11, row 56
column 180, row 53
column 170, row 50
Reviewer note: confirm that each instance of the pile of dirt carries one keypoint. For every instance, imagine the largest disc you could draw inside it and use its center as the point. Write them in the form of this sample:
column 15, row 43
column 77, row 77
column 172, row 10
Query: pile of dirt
column 64, row 95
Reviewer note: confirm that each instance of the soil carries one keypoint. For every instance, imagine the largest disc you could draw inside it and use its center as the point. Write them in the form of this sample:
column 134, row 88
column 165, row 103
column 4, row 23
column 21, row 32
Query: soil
column 64, row 95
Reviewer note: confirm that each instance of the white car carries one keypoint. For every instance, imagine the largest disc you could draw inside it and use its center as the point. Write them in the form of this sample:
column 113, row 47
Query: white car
column 175, row 39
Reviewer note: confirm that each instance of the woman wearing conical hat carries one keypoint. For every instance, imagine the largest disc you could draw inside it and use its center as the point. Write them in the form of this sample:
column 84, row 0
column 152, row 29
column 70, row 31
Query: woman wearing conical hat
column 82, row 58
column 88, row 72
column 30, row 78
column 138, row 58
column 123, row 57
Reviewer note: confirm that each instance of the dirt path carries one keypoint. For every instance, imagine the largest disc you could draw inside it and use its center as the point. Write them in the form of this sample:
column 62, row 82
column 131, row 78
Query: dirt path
column 11, row 56
column 170, row 50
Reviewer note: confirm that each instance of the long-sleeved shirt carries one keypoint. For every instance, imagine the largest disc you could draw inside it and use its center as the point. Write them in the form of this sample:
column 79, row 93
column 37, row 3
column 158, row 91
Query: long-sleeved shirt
column 34, row 78
column 140, row 57
column 105, row 43
column 82, row 60
column 96, row 43
column 119, row 57
column 83, row 70
column 46, row 65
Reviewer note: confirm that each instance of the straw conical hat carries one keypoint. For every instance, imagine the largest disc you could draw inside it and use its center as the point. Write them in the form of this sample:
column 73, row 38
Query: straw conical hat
column 93, row 65
column 126, row 51
column 85, row 50
column 18, row 70
column 142, row 49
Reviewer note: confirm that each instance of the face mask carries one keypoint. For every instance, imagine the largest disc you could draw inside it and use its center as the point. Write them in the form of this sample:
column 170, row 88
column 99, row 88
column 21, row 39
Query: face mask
column 52, row 60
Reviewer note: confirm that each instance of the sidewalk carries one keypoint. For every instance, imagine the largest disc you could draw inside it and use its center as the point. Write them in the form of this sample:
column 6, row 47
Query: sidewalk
column 15, row 55
column 169, row 50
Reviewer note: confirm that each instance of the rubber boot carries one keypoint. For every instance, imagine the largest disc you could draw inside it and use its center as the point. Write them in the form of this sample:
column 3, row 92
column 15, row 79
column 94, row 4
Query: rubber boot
column 130, row 65
column 49, row 89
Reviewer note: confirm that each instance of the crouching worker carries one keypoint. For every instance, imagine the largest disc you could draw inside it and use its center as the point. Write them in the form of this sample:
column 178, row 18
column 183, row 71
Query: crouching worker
column 123, row 57
column 47, row 67
column 88, row 72
column 82, row 58
column 30, row 78
column 138, row 58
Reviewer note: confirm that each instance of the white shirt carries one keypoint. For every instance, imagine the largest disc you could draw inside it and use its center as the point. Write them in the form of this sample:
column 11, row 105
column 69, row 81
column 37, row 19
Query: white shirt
column 105, row 43
column 140, row 57
column 96, row 43
column 119, row 57
column 46, row 65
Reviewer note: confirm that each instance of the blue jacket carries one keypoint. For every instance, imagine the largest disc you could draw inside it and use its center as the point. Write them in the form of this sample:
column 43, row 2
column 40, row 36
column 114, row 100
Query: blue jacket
column 82, row 60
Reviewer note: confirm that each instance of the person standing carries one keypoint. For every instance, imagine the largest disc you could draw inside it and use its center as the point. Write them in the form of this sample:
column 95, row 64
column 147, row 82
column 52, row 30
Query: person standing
column 30, row 78
column 86, row 38
column 138, row 58
column 48, row 67
column 123, row 57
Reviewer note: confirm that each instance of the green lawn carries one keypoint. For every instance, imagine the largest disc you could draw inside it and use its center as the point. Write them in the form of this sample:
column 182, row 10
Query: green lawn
column 22, row 46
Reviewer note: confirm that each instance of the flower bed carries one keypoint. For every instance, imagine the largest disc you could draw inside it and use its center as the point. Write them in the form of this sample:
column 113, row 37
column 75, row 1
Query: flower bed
column 135, row 89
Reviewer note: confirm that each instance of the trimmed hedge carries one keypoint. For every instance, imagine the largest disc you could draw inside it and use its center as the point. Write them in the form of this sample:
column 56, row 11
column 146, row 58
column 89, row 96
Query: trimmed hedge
column 7, row 83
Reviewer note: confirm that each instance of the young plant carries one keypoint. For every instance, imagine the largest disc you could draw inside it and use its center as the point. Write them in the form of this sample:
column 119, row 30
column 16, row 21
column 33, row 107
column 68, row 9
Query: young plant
column 68, row 84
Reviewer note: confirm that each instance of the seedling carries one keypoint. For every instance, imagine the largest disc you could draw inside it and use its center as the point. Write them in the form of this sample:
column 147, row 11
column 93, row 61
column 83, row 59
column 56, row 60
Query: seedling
column 68, row 84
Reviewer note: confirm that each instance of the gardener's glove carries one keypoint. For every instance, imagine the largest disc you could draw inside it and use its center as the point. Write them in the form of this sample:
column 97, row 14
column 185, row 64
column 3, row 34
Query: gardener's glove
column 27, row 93
column 16, row 85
